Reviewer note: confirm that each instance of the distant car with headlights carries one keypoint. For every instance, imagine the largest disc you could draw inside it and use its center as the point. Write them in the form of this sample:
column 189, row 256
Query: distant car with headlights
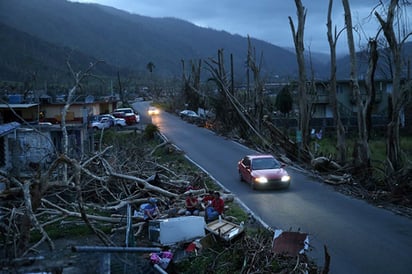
column 153, row 111
column 263, row 171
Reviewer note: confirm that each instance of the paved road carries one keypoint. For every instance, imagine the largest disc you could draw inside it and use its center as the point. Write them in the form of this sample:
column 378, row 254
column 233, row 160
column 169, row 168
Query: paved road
column 360, row 238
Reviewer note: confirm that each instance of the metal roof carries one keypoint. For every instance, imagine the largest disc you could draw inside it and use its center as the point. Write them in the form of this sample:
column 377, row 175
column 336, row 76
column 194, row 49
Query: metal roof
column 7, row 106
column 6, row 128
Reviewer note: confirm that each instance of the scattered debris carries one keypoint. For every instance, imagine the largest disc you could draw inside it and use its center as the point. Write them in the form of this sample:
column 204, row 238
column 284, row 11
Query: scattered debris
column 162, row 258
column 338, row 179
column 175, row 230
column 325, row 164
column 224, row 229
column 290, row 243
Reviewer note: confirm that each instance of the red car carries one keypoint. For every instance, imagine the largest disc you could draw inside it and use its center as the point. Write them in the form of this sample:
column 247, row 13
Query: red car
column 263, row 171
column 128, row 114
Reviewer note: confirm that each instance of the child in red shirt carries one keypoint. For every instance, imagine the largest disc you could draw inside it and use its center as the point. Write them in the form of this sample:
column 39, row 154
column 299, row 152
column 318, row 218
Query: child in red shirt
column 215, row 208
column 192, row 204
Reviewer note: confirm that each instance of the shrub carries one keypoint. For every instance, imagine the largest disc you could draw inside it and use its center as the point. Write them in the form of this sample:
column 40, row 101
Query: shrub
column 150, row 131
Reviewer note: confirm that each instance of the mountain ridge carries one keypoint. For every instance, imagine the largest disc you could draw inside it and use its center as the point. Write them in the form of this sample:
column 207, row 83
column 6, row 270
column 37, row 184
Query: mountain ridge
column 129, row 40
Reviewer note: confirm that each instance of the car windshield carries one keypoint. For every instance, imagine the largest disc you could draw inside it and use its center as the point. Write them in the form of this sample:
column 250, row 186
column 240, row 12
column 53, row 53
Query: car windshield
column 125, row 110
column 265, row 163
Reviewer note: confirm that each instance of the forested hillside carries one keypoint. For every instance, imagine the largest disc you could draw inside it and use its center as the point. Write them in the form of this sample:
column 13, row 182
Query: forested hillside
column 26, row 58
column 56, row 29
column 129, row 40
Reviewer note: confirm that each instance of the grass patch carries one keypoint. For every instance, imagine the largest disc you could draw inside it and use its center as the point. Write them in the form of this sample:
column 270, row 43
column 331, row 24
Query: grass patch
column 236, row 211
column 71, row 227
column 327, row 147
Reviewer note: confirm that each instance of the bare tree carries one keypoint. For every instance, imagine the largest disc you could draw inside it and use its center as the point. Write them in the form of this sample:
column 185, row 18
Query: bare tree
column 191, row 83
column 304, row 106
column 340, row 129
column 361, row 153
column 370, row 83
column 399, row 94
column 218, row 75
column 258, row 83
column 121, row 90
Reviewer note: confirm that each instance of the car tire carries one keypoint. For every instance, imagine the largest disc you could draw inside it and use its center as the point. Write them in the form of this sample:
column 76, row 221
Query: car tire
column 241, row 177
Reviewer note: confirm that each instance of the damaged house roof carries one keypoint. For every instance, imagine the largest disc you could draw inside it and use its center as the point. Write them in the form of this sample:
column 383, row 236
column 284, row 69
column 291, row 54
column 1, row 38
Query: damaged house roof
column 7, row 128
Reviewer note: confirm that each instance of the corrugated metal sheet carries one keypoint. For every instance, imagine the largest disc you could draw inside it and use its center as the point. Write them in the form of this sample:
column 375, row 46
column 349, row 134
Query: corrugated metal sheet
column 7, row 106
column 7, row 128
column 290, row 243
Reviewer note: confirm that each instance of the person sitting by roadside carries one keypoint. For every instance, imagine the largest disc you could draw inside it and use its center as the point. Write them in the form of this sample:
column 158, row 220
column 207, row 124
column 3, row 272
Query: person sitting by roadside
column 207, row 199
column 215, row 209
column 148, row 211
column 192, row 205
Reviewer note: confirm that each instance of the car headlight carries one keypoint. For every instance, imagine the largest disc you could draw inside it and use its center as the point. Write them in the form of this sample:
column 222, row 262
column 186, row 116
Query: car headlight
column 261, row 179
column 285, row 178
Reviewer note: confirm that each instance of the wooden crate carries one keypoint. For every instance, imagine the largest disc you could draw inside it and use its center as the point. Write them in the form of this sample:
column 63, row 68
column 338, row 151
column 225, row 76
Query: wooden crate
column 224, row 229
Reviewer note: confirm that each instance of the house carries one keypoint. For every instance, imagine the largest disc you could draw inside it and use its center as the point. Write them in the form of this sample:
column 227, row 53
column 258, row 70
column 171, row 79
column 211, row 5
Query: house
column 18, row 112
column 347, row 101
column 28, row 144
column 7, row 132
column 26, row 149
column 48, row 110
column 322, row 109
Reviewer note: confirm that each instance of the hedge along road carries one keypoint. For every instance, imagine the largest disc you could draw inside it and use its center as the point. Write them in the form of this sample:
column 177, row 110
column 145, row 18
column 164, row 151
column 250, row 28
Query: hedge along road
column 360, row 237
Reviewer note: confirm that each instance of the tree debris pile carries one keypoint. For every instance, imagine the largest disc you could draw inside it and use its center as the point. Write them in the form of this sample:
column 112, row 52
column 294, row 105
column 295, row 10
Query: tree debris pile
column 394, row 194
column 248, row 254
column 290, row 148
column 91, row 193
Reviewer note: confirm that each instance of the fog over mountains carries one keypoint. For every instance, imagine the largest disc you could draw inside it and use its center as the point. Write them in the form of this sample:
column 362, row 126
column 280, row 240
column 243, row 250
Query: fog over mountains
column 40, row 35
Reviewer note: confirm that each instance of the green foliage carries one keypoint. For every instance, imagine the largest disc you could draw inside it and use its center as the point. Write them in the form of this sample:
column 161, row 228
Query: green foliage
column 58, row 231
column 237, row 212
column 284, row 100
column 327, row 147
column 150, row 131
column 150, row 67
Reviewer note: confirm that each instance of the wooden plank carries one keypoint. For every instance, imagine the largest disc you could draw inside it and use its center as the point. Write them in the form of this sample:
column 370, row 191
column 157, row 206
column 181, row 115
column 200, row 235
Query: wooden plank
column 220, row 226
column 224, row 229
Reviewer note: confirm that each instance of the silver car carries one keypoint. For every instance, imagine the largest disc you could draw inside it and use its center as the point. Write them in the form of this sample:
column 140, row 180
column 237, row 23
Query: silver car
column 118, row 122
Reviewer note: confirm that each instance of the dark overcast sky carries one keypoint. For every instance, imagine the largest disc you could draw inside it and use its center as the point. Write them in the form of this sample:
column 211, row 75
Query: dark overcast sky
column 263, row 19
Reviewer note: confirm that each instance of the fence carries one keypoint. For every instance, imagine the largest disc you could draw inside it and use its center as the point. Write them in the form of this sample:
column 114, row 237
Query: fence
column 116, row 260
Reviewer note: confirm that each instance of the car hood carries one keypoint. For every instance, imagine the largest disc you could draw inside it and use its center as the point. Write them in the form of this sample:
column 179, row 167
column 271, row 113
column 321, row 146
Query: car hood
column 269, row 173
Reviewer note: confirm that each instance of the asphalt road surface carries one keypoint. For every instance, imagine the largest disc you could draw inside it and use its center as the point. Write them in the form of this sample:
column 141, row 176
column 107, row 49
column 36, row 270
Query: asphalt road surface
column 360, row 237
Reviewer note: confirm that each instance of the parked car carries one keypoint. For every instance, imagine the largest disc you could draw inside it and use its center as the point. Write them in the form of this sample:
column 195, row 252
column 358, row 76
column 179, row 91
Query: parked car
column 263, row 171
column 118, row 122
column 100, row 123
column 192, row 117
column 188, row 114
column 131, row 116
column 153, row 111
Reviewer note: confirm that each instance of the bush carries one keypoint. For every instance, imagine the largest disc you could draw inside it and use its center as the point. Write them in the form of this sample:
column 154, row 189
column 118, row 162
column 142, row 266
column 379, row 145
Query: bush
column 150, row 131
